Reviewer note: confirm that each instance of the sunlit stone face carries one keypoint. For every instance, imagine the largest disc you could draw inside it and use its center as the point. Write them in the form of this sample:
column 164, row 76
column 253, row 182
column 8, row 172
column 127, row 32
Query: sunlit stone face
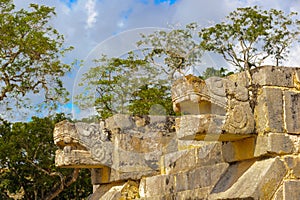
column 216, row 108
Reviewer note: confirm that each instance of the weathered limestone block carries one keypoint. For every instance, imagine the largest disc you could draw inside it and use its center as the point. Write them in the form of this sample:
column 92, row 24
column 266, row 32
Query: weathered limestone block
column 105, row 191
column 206, row 176
column 100, row 175
column 292, row 111
column 201, row 177
column 199, row 193
column 121, row 123
column 117, row 191
column 185, row 160
column 275, row 76
column 214, row 109
column 231, row 175
column 291, row 190
column 113, row 194
column 178, row 161
column 156, row 185
column 239, row 150
column 189, row 144
column 128, row 190
column 268, row 111
column 288, row 77
column 144, row 142
column 187, row 127
column 296, row 142
column 279, row 194
column 293, row 163
column 273, row 143
column 210, row 128
column 239, row 79
column 260, row 181
column 126, row 161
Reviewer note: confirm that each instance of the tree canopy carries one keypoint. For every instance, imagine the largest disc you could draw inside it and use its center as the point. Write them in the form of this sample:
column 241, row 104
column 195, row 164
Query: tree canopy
column 172, row 50
column 110, row 84
column 27, row 165
column 141, row 80
column 30, row 63
column 250, row 35
column 30, row 55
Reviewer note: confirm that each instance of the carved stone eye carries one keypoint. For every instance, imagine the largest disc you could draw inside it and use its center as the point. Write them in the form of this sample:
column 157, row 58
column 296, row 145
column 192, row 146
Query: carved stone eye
column 102, row 153
column 218, row 83
column 238, row 115
column 216, row 86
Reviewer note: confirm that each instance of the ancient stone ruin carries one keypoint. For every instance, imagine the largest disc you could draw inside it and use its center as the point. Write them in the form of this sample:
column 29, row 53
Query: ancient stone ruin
column 232, row 141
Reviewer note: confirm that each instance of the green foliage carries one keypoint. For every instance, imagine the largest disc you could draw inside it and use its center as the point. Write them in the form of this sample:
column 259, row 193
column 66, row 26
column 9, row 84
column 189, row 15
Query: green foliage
column 109, row 86
column 250, row 35
column 30, row 54
column 153, row 99
column 177, row 48
column 137, row 83
column 27, row 161
column 210, row 72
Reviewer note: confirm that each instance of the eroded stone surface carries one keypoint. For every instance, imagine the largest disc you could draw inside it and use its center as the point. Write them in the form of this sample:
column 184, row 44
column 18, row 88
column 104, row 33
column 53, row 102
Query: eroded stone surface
column 232, row 141
column 292, row 111
column 185, row 160
column 200, row 177
column 291, row 189
column 279, row 194
column 269, row 113
column 260, row 181
column 231, row 175
column 273, row 143
column 275, row 76
column 293, row 163
column 214, row 108
column 239, row 150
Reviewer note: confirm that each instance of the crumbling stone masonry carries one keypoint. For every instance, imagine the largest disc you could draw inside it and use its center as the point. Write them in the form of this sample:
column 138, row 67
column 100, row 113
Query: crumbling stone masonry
column 233, row 141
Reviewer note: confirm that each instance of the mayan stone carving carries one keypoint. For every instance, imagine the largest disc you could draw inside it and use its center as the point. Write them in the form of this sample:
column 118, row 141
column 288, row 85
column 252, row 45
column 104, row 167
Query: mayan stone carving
column 232, row 141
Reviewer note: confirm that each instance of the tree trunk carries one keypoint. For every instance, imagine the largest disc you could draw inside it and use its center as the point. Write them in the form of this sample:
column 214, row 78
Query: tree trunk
column 63, row 185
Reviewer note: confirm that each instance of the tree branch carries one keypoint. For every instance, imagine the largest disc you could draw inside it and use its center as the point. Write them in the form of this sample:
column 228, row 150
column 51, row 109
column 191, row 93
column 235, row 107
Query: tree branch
column 62, row 185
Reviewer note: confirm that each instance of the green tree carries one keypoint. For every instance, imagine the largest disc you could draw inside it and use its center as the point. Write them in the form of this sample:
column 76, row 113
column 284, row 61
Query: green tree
column 249, row 36
column 210, row 72
column 110, row 84
column 27, row 163
column 174, row 50
column 153, row 99
column 134, row 83
column 30, row 55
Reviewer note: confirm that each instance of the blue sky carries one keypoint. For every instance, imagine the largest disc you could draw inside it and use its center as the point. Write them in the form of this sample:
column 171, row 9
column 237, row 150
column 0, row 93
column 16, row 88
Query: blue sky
column 69, row 3
column 89, row 24
column 157, row 2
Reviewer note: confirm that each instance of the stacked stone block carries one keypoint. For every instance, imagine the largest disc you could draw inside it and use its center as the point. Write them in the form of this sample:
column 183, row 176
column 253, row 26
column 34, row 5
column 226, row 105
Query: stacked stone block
column 233, row 141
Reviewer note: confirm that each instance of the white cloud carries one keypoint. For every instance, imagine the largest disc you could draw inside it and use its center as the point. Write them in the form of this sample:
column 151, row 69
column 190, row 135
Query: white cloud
column 90, row 7
column 87, row 23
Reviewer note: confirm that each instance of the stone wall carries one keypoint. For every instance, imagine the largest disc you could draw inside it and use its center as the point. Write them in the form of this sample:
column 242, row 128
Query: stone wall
column 233, row 141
